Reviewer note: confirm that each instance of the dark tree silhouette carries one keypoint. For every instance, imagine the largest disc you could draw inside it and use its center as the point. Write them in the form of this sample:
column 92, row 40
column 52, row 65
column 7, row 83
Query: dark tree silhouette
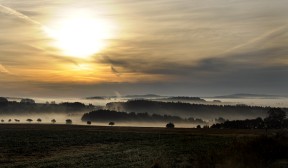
column 53, row 121
column 3, row 100
column 9, row 120
column 29, row 120
column 111, row 123
column 39, row 120
column 68, row 121
column 275, row 119
column 170, row 125
column 188, row 109
column 107, row 116
column 89, row 122
column 198, row 126
column 257, row 123
column 29, row 106
column 2, row 120
column 206, row 126
column 27, row 101
column 76, row 106
column 16, row 120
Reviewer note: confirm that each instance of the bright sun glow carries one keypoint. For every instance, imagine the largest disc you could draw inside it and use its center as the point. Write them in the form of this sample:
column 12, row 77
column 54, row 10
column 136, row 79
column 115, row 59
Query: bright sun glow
column 80, row 36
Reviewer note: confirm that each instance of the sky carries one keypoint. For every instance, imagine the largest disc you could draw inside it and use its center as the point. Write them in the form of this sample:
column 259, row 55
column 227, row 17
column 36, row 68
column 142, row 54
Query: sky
column 72, row 48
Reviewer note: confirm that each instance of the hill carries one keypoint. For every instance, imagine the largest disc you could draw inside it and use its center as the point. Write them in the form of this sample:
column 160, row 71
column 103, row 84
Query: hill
column 244, row 95
column 187, row 110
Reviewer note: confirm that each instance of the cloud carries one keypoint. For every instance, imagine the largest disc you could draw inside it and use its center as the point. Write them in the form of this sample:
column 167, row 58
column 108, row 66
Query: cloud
column 10, row 11
column 4, row 70
column 265, row 36
column 115, row 71
column 208, row 45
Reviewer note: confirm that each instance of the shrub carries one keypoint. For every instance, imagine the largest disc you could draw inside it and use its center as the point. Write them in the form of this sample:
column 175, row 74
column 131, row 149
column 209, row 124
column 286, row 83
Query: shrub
column 68, row 121
column 170, row 125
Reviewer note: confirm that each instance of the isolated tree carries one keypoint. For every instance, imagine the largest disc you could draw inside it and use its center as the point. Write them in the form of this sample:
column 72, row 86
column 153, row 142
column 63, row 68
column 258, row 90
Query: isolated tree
column 111, row 123
column 39, row 120
column 53, row 121
column 198, row 126
column 89, row 122
column 9, row 120
column 2, row 120
column 29, row 120
column 68, row 121
column 276, row 117
column 16, row 120
column 170, row 125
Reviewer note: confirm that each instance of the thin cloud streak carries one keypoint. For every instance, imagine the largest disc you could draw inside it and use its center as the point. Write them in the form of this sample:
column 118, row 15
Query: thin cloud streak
column 10, row 11
column 268, row 35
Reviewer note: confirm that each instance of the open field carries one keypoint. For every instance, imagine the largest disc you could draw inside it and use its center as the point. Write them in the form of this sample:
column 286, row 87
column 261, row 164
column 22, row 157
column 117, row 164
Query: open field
column 41, row 145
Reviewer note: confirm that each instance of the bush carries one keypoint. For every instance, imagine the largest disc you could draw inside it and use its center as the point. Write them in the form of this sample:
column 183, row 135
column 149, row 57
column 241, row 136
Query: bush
column 68, row 121
column 170, row 125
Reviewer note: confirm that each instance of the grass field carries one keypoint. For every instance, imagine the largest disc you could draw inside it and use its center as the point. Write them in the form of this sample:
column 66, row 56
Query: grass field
column 40, row 145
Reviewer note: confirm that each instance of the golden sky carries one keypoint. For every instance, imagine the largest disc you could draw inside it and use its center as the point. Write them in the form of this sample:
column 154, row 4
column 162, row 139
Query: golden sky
column 96, row 47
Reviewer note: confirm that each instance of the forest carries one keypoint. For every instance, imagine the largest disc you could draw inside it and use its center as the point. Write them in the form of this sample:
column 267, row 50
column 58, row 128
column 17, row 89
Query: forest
column 187, row 110
column 109, row 116
column 26, row 106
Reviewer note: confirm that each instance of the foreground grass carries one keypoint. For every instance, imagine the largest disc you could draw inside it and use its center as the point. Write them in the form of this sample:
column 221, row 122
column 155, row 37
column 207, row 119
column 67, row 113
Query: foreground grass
column 82, row 146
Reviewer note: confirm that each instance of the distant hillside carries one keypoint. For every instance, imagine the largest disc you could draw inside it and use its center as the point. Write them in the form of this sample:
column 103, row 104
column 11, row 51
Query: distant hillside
column 190, row 110
column 142, row 96
column 26, row 106
column 97, row 98
column 244, row 95
column 184, row 98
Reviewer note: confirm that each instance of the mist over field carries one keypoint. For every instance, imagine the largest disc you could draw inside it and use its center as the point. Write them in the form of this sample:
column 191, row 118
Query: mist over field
column 192, row 111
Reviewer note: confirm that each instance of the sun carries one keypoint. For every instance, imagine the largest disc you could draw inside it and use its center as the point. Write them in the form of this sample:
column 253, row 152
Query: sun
column 81, row 35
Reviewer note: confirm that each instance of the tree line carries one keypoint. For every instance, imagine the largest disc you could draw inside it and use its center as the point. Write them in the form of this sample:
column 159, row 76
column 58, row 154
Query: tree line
column 29, row 106
column 110, row 115
column 276, row 119
column 187, row 110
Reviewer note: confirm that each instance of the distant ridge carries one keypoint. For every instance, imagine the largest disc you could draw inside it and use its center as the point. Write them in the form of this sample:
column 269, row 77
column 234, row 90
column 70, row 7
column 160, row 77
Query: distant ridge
column 245, row 95
column 145, row 95
column 97, row 97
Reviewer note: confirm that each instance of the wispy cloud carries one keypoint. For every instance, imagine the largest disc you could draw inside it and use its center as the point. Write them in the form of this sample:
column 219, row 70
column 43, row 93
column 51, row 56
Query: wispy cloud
column 115, row 71
column 4, row 70
column 265, row 36
column 191, row 44
column 10, row 11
